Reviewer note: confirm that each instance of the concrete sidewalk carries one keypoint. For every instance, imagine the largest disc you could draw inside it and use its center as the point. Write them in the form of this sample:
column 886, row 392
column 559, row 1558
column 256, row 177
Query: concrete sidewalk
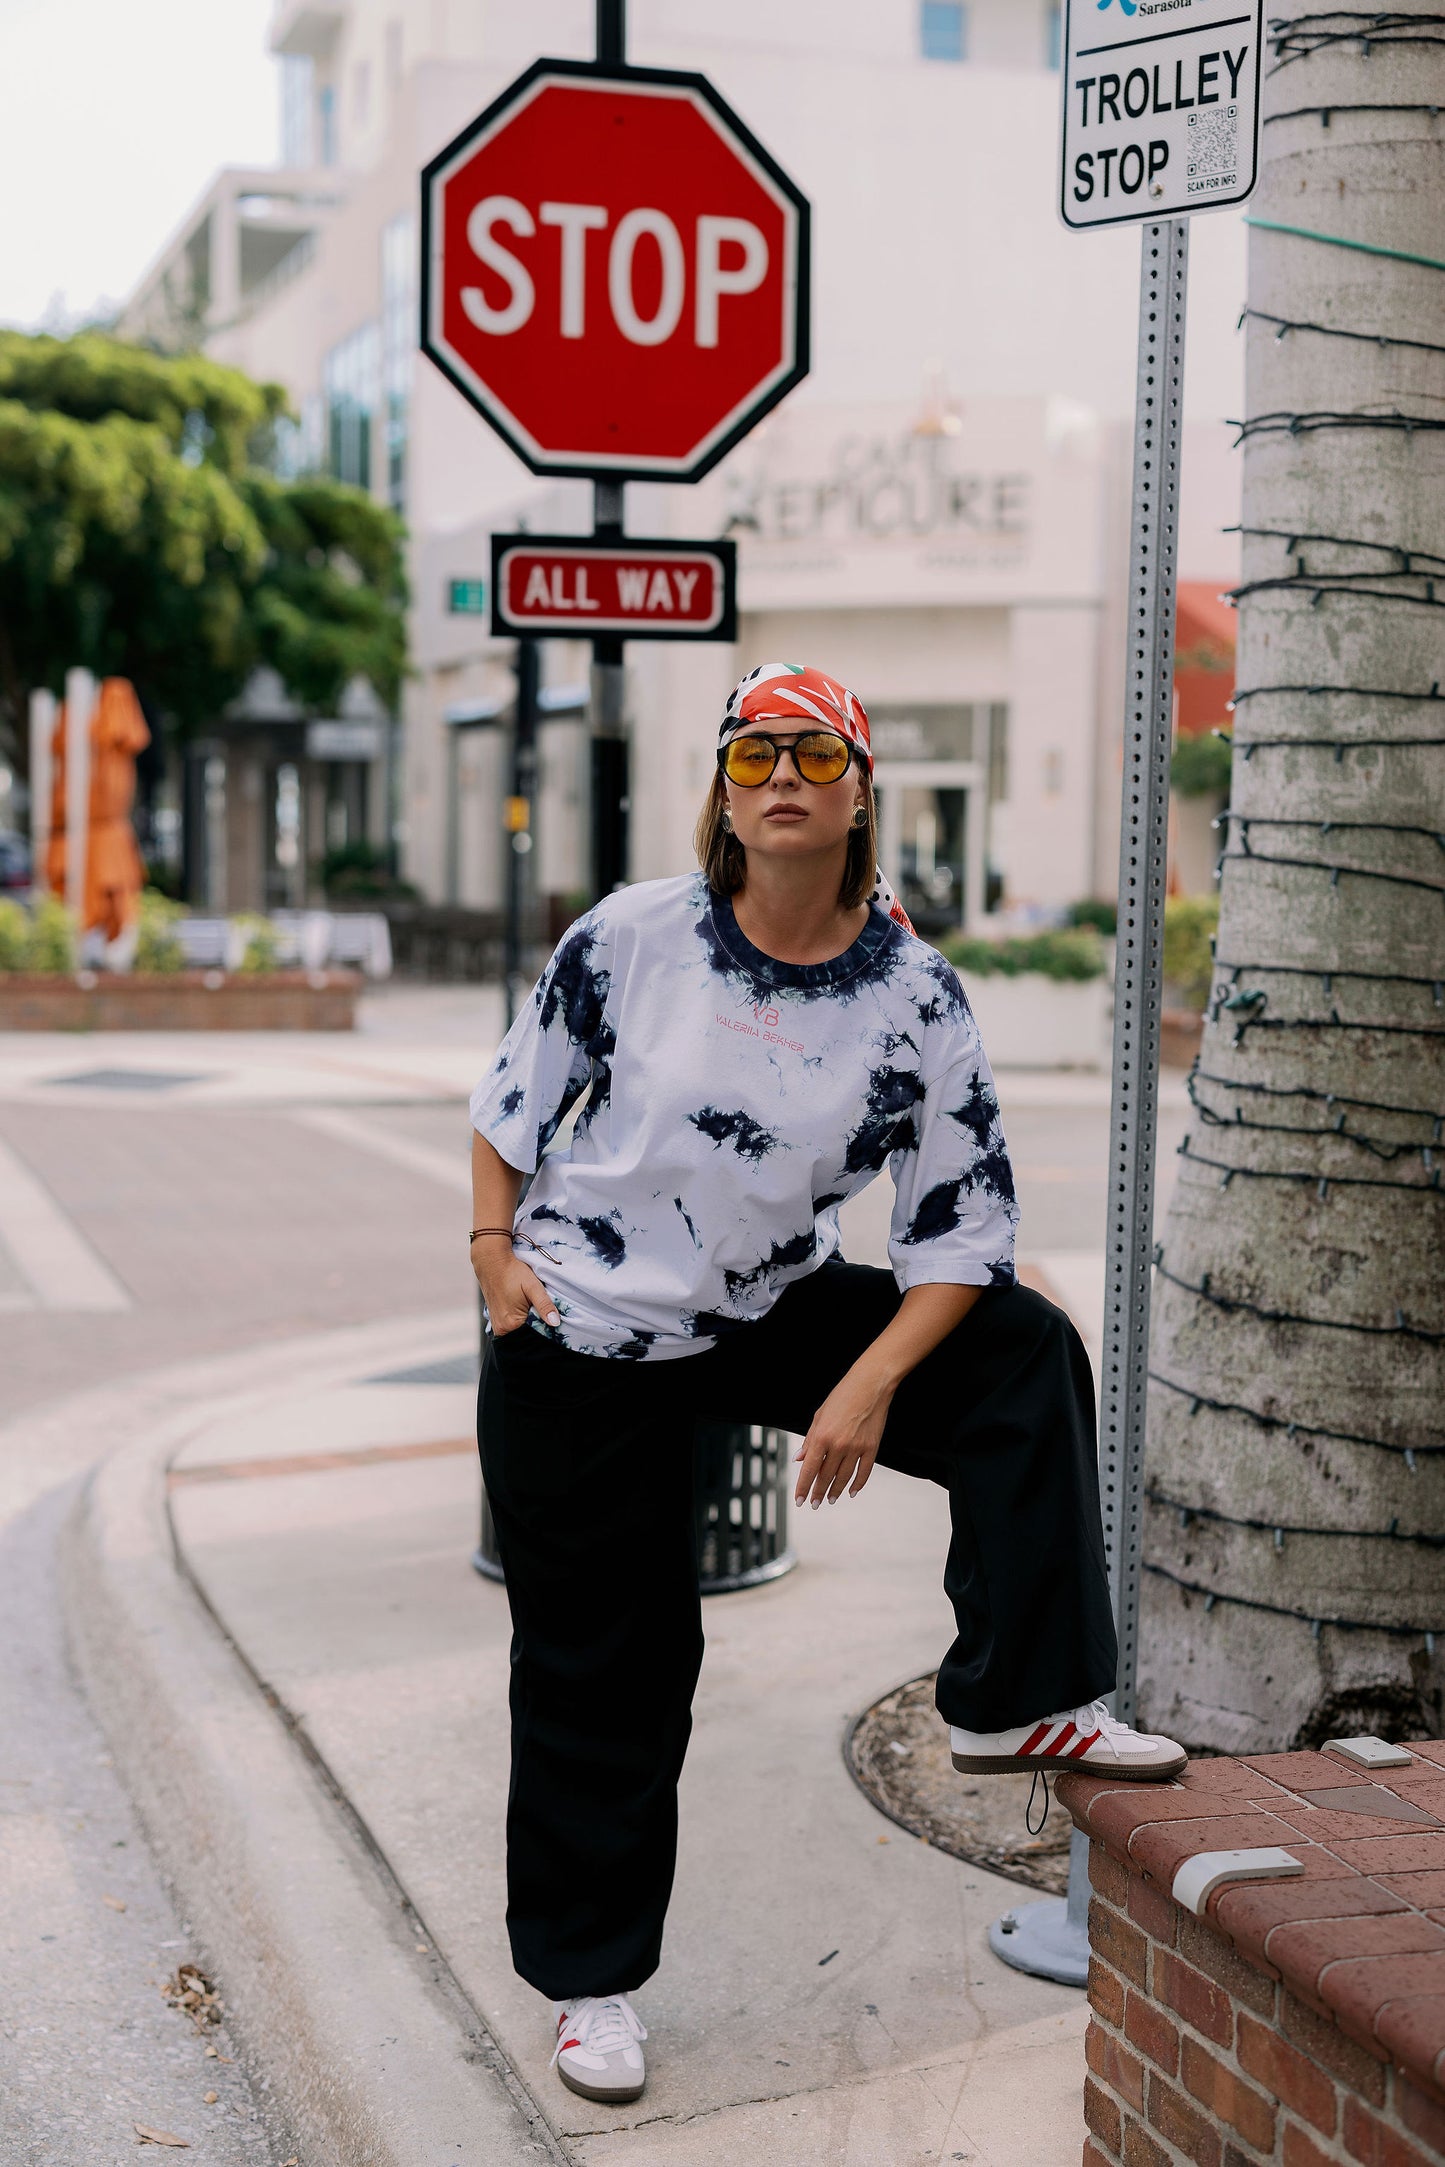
column 826, row 1994
column 325, row 1787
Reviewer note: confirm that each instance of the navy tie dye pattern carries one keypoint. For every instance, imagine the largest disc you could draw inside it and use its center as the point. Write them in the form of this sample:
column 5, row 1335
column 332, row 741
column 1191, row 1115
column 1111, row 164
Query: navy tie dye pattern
column 887, row 1124
column 748, row 1137
column 729, row 1104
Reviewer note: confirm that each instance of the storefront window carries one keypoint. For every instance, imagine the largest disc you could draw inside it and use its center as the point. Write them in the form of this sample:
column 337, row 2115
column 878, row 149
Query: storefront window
column 298, row 91
column 993, row 880
column 326, row 118
column 922, row 732
column 398, row 343
column 943, row 30
column 350, row 378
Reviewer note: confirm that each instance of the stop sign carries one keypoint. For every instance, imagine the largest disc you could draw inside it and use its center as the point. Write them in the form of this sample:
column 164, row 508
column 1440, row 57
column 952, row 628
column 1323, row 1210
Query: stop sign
column 614, row 272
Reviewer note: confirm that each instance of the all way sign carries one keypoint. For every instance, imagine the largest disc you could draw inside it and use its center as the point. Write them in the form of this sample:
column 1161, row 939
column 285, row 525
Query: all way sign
column 562, row 586
column 1161, row 108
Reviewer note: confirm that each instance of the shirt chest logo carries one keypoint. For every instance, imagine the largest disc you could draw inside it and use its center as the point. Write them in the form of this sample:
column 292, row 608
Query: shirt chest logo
column 761, row 1021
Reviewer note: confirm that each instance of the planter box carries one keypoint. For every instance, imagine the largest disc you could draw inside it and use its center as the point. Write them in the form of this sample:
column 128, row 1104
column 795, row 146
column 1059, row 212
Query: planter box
column 180, row 1001
column 1295, row 2019
column 1038, row 1022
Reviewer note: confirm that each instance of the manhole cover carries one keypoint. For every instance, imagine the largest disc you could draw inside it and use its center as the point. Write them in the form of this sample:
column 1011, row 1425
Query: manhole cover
column 897, row 1752
column 127, row 1079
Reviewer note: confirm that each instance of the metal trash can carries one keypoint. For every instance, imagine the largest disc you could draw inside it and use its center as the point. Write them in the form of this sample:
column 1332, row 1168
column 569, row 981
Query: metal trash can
column 743, row 1477
column 741, row 1496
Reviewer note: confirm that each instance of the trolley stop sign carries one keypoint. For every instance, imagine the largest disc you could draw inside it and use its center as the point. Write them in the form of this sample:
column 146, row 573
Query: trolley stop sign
column 1161, row 108
column 614, row 271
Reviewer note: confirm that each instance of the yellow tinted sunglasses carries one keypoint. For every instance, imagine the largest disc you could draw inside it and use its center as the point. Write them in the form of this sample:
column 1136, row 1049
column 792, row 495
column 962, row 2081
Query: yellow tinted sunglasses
column 820, row 756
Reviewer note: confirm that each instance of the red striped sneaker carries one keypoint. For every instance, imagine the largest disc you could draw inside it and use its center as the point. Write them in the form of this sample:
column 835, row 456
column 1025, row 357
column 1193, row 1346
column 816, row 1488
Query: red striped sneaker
column 599, row 2052
column 1087, row 1738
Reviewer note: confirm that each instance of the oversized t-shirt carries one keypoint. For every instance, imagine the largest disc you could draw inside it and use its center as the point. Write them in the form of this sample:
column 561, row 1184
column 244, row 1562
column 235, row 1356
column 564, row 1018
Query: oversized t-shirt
column 733, row 1104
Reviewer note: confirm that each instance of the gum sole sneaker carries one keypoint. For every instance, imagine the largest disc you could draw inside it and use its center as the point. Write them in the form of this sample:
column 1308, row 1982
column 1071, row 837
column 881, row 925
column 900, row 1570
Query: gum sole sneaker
column 599, row 2047
column 1088, row 1738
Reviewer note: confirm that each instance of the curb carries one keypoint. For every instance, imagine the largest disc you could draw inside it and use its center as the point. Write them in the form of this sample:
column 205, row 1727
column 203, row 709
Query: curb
column 374, row 2052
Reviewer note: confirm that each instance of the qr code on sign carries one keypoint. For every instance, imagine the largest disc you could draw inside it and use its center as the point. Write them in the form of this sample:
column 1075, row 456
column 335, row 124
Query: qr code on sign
column 1213, row 142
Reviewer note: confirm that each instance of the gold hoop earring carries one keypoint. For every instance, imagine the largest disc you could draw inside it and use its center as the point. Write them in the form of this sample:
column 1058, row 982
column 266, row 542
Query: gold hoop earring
column 860, row 816
column 727, row 822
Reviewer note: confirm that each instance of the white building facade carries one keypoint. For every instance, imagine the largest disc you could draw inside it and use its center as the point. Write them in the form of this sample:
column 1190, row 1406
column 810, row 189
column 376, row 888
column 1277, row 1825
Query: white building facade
column 939, row 514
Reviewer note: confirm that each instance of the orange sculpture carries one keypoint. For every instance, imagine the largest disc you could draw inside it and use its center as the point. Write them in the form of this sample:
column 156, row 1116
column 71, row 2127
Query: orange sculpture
column 114, row 873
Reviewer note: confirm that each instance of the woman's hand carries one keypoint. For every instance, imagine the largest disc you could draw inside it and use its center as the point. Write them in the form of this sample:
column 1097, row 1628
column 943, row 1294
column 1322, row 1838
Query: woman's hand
column 510, row 1288
column 846, row 1432
column 843, row 1438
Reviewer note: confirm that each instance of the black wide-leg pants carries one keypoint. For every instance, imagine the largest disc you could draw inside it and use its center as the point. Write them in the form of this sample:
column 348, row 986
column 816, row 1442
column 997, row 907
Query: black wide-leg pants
column 588, row 1465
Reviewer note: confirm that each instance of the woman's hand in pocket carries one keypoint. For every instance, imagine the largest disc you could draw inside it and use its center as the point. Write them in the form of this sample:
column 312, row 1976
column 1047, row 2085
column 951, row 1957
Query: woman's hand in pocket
column 510, row 1288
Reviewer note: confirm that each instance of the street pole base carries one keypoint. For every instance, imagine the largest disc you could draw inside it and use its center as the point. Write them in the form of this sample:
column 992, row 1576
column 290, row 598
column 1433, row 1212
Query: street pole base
column 1042, row 1940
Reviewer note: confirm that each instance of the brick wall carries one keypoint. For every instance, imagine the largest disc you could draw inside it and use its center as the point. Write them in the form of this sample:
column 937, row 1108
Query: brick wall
column 1204, row 2048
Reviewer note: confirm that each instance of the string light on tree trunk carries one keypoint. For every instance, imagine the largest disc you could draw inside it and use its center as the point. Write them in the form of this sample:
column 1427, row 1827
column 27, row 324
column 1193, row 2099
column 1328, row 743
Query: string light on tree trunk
column 1305, row 34
column 1294, row 1428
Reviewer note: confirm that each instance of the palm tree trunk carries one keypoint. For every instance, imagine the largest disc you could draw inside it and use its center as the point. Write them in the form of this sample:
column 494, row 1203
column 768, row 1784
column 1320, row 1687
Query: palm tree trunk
column 1294, row 1584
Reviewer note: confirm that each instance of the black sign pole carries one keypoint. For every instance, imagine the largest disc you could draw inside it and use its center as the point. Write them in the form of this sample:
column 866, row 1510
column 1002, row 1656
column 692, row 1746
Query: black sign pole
column 520, row 802
column 609, row 729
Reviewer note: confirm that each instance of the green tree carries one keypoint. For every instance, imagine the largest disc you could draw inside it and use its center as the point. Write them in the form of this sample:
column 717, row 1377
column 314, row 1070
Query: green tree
column 142, row 535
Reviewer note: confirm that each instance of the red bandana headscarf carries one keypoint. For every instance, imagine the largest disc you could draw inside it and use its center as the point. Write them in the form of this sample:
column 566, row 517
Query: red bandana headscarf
column 783, row 691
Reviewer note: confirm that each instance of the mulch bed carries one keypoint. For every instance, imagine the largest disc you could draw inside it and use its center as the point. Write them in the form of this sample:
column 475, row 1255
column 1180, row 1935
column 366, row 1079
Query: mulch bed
column 897, row 1754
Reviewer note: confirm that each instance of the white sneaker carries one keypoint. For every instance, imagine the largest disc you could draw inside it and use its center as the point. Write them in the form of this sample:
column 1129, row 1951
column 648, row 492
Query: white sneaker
column 599, row 2052
column 1087, row 1738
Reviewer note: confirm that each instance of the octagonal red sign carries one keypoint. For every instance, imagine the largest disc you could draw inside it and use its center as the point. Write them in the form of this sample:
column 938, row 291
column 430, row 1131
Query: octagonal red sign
column 614, row 272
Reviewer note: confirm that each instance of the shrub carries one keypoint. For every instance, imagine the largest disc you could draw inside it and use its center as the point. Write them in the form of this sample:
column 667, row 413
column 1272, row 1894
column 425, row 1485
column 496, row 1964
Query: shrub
column 358, row 873
column 262, row 943
column 157, row 947
column 1102, row 916
column 1190, row 922
column 163, row 878
column 14, row 934
column 1068, row 955
column 1200, row 766
column 52, row 943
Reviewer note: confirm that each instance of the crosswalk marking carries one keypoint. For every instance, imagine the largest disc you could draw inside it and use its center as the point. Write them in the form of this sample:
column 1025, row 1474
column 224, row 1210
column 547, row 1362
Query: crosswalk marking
column 62, row 1269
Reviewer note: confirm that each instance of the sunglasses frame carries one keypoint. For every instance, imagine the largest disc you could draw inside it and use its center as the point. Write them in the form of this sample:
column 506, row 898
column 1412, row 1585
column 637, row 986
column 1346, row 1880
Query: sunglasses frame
column 788, row 744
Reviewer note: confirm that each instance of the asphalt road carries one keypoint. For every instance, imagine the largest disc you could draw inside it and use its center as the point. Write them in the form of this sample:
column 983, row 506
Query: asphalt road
column 223, row 1226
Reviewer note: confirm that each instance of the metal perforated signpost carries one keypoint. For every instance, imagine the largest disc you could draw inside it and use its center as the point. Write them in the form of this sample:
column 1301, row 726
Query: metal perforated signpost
column 1156, row 123
column 1139, row 952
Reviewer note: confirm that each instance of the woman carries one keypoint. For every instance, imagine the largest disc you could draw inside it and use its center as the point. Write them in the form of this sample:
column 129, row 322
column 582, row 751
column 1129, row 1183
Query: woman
column 759, row 1040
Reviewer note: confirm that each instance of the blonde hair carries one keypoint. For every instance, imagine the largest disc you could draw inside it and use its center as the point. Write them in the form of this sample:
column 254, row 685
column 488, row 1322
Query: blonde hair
column 724, row 860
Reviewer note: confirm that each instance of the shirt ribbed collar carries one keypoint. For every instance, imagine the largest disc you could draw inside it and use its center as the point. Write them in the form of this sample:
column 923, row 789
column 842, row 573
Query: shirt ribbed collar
column 876, row 935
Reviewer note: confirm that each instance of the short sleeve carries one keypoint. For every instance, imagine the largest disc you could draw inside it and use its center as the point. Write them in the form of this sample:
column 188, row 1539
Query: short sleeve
column 547, row 1059
column 955, row 1210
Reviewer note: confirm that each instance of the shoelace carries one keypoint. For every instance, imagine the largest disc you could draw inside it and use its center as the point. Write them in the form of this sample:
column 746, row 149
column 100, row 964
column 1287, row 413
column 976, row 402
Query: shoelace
column 603, row 2023
column 1094, row 1716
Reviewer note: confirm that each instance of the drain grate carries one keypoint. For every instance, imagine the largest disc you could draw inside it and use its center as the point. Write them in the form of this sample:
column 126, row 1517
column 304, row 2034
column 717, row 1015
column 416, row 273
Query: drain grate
column 127, row 1079
column 454, row 1369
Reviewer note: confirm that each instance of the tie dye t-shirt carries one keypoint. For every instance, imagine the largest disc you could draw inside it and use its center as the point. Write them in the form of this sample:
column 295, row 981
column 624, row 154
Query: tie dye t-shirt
column 733, row 1104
